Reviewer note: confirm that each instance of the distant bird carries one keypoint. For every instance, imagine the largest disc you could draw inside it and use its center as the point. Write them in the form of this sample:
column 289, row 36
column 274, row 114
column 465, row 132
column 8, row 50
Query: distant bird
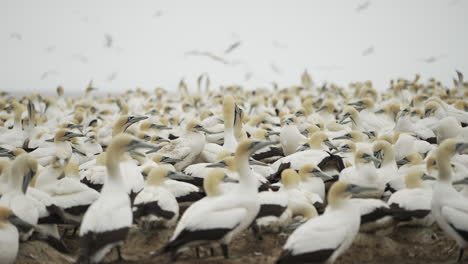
column 158, row 14
column 279, row 45
column 275, row 68
column 16, row 36
column 431, row 59
column 232, row 47
column 368, row 51
column 109, row 40
column 48, row 73
column 208, row 55
column 80, row 57
column 363, row 6
column 112, row 76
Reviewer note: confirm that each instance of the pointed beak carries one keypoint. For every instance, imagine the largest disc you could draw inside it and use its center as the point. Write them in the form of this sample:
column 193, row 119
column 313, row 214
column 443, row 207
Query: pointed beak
column 273, row 133
column 160, row 127
column 136, row 144
column 200, row 128
column 321, row 108
column 161, row 139
column 133, row 119
column 462, row 181
column 221, row 164
column 179, row 176
column 61, row 176
column 342, row 137
column 356, row 189
column 303, row 147
column 26, row 180
column 256, row 145
column 256, row 162
column 322, row 175
column 229, row 179
column 461, row 147
column 73, row 135
column 329, row 144
column 169, row 160
column 427, row 177
column 72, row 126
column 402, row 162
column 8, row 154
column 22, row 225
column 370, row 158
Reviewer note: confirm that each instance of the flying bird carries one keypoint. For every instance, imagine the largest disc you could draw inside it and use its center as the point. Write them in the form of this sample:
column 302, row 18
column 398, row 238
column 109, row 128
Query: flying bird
column 206, row 54
column 112, row 76
column 158, row 14
column 232, row 47
column 363, row 6
column 17, row 36
column 109, row 40
column 368, row 51
column 431, row 59
column 80, row 57
column 275, row 68
column 48, row 73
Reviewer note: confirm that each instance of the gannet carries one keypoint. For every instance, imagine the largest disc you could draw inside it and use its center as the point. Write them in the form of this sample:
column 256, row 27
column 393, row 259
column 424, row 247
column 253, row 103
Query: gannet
column 412, row 205
column 106, row 222
column 323, row 239
column 448, row 206
column 188, row 147
column 9, row 237
column 220, row 217
column 155, row 206
column 364, row 173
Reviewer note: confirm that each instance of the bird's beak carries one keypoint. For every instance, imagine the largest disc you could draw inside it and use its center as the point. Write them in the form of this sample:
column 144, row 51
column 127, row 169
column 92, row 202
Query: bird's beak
column 179, row 176
column 229, row 179
column 161, row 139
column 427, row 112
column 136, row 144
column 73, row 135
column 358, row 103
column 303, row 147
column 200, row 128
column 356, row 189
column 8, row 154
column 427, row 177
column 61, row 176
column 273, row 133
column 22, row 225
column 27, row 179
column 169, row 160
column 72, row 126
column 378, row 155
column 403, row 161
column 461, row 147
column 342, row 137
column 160, row 127
column 321, row 174
column 256, row 162
column 370, row 158
column 321, row 108
column 462, row 181
column 133, row 119
column 329, row 144
column 221, row 164
column 256, row 145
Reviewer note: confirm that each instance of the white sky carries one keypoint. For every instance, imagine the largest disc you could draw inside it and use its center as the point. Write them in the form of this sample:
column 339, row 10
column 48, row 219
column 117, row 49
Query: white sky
column 67, row 39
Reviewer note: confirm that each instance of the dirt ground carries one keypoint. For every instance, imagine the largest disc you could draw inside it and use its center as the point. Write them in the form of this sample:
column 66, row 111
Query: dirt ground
column 402, row 245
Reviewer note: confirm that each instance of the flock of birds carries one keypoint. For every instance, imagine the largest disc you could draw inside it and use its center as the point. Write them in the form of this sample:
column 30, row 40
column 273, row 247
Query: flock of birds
column 319, row 162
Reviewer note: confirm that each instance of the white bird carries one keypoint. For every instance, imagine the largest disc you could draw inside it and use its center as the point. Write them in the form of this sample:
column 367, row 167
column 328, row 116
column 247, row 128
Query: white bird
column 9, row 237
column 221, row 217
column 448, row 206
column 188, row 147
column 412, row 205
column 107, row 221
column 155, row 206
column 323, row 239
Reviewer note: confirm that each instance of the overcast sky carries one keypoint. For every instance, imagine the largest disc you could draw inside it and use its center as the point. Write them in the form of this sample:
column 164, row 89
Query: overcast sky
column 56, row 42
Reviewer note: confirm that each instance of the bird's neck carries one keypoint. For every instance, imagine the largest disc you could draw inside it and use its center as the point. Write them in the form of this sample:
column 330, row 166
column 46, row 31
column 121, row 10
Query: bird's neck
column 114, row 176
column 389, row 157
column 445, row 171
column 246, row 178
